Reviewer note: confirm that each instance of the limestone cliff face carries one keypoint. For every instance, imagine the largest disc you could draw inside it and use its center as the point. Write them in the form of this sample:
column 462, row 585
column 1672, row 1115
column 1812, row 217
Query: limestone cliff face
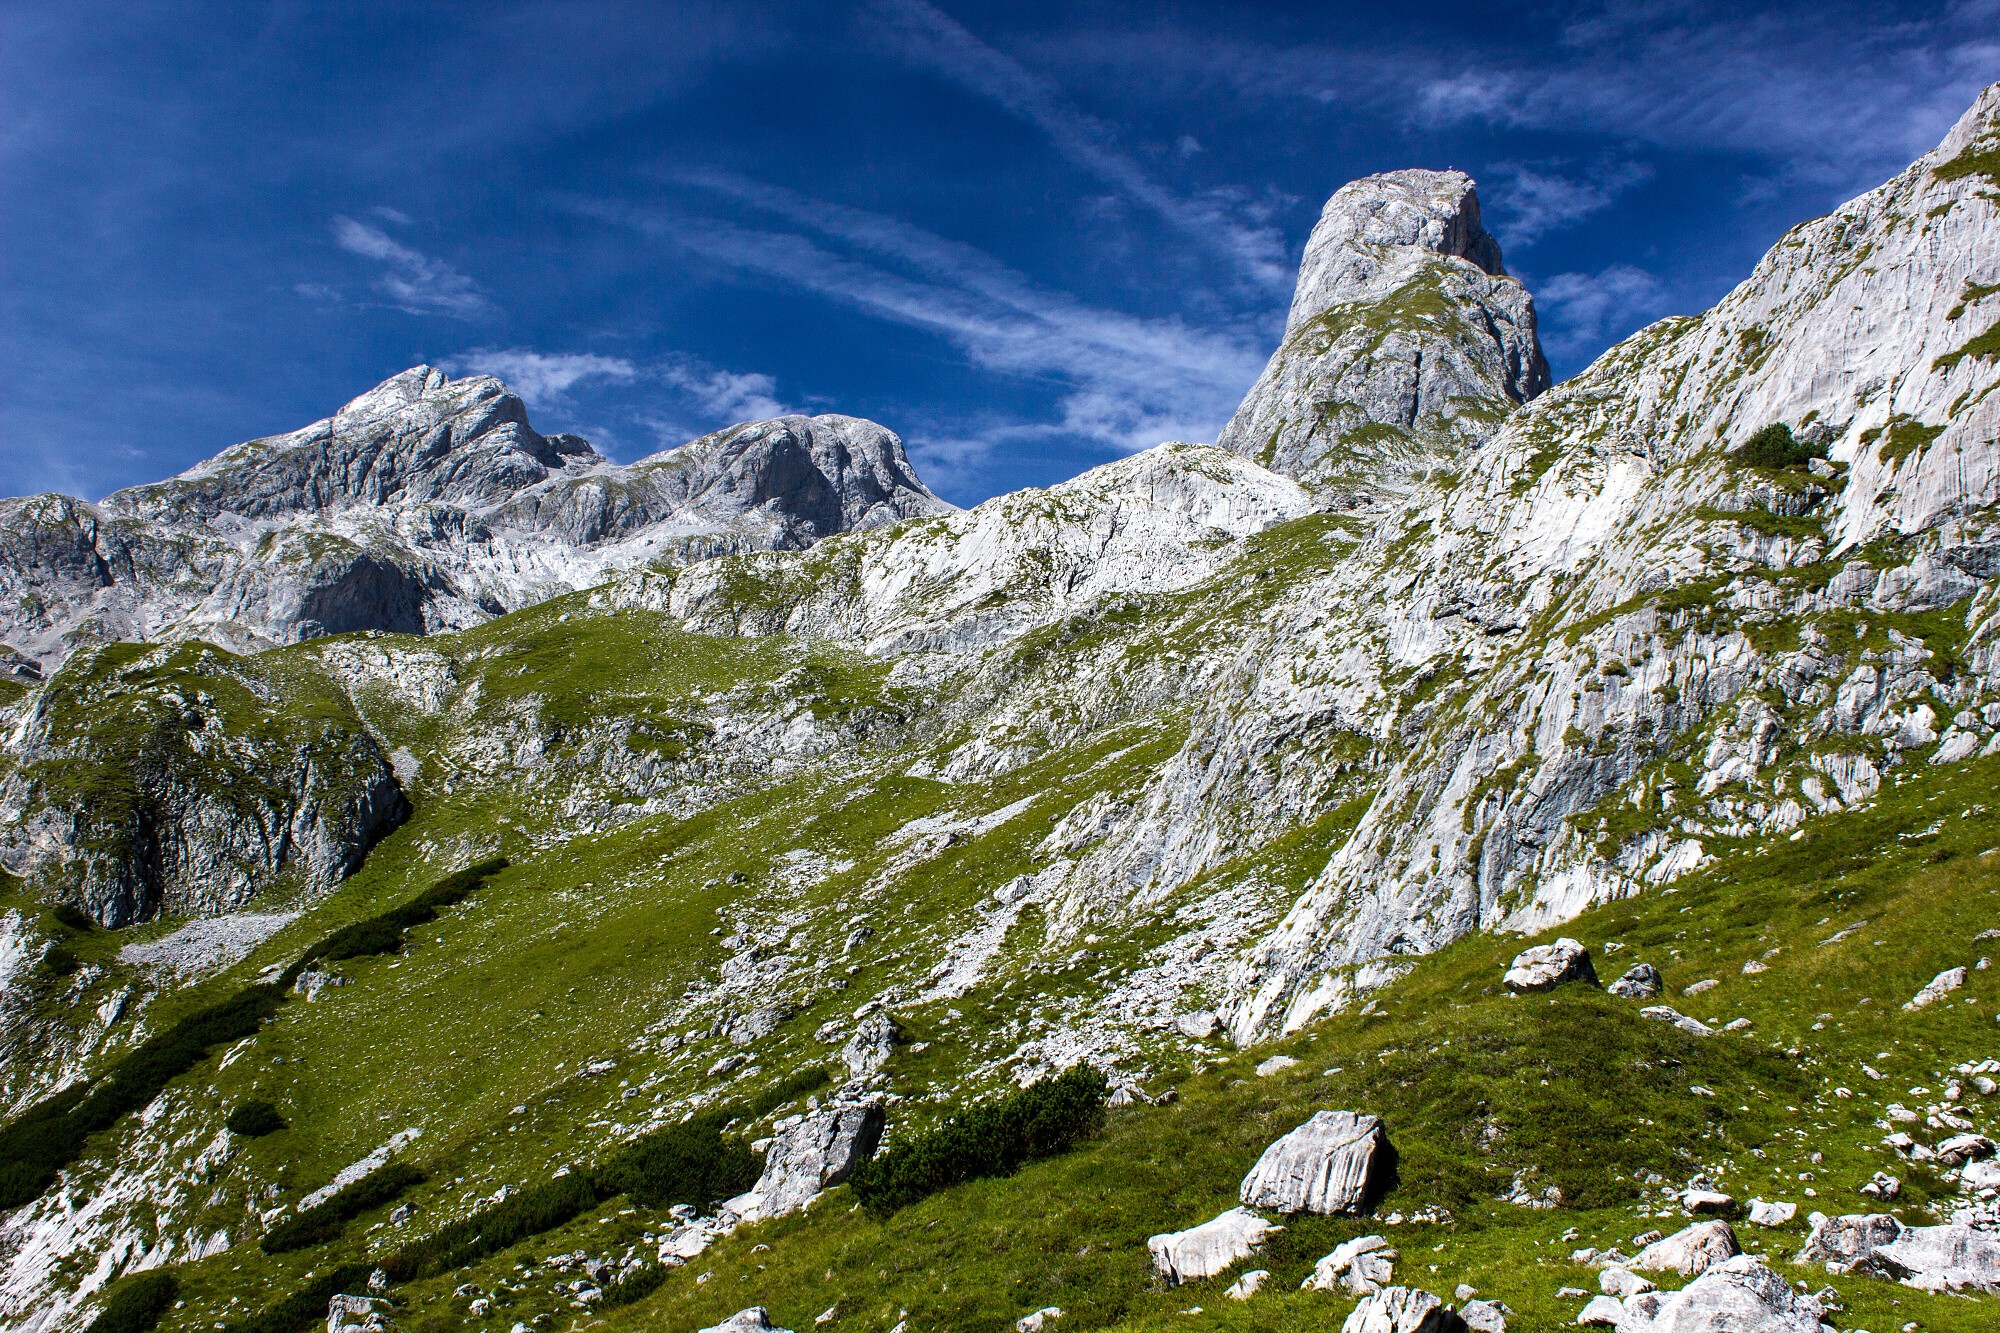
column 427, row 503
column 1406, row 344
column 184, row 781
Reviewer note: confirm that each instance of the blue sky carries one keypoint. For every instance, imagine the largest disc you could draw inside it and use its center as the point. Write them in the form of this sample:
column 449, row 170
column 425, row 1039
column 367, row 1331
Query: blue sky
column 1027, row 237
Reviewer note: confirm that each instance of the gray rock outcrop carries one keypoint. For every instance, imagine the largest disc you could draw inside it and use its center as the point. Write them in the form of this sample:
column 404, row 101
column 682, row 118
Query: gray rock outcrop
column 1205, row 1250
column 817, row 1153
column 1547, row 966
column 1405, row 344
column 185, row 780
column 1949, row 1257
column 1741, row 1294
column 1361, row 1266
column 1402, row 1310
column 1642, row 981
column 1326, row 1165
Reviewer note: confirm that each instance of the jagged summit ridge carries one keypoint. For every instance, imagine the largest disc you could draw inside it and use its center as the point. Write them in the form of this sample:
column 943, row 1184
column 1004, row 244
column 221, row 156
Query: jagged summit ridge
column 426, row 503
column 1406, row 344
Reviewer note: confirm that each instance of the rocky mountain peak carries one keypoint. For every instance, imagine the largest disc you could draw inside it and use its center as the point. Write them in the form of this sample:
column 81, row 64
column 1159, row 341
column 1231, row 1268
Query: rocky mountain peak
column 1406, row 345
column 1360, row 248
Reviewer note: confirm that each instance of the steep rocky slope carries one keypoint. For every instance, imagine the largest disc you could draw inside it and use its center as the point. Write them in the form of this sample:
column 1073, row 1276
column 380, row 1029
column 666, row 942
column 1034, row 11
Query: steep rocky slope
column 1179, row 754
column 426, row 503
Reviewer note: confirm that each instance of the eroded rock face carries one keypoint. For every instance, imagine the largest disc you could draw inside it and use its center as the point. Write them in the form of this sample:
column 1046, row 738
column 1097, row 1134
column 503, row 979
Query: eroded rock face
column 1405, row 343
column 1547, row 966
column 1326, row 1165
column 184, row 780
column 426, row 503
column 1203, row 1251
column 818, row 1153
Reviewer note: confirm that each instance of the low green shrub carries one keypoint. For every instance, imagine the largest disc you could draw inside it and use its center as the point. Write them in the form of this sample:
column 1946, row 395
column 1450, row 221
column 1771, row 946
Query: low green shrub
column 316, row 1226
column 789, row 1089
column 492, row 1229
column 137, row 1303
column 254, row 1119
column 50, row 1135
column 1774, row 447
column 633, row 1287
column 306, row 1307
column 996, row 1139
column 58, row 961
column 692, row 1162
column 383, row 934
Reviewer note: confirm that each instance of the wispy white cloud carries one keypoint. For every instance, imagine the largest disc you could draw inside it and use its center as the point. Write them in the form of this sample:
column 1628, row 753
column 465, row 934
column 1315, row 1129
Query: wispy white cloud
column 543, row 379
column 1124, row 382
column 723, row 396
column 1533, row 200
column 412, row 280
column 926, row 35
column 1829, row 96
column 1582, row 312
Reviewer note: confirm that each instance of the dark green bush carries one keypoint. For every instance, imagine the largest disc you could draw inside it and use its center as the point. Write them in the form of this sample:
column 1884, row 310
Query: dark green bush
column 996, row 1139
column 316, row 1226
column 72, row 918
column 254, row 1119
column 490, row 1230
column 60, row 962
column 384, row 933
column 136, row 1304
column 691, row 1162
column 1774, row 447
column 635, row 1286
column 306, row 1307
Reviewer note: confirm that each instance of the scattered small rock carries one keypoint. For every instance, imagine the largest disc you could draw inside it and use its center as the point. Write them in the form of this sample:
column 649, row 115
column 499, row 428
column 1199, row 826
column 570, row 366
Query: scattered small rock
column 1941, row 985
column 753, row 1320
column 1771, row 1212
column 1032, row 1323
column 1276, row 1064
column 1243, row 1288
column 1640, row 982
column 1694, row 1027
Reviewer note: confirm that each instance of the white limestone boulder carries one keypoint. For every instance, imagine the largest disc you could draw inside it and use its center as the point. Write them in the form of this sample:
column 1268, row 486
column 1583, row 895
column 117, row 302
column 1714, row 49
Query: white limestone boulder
column 1740, row 1295
column 1203, row 1251
column 1690, row 1251
column 1547, row 966
column 1402, row 1310
column 1363, row 1266
column 1326, row 1165
column 817, row 1153
column 1640, row 982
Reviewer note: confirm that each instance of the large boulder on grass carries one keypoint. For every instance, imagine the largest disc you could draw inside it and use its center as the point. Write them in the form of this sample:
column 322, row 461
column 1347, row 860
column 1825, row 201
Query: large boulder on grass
column 1203, row 1251
column 817, row 1153
column 753, row 1320
column 1690, row 1251
column 1547, row 966
column 1738, row 1294
column 1326, row 1165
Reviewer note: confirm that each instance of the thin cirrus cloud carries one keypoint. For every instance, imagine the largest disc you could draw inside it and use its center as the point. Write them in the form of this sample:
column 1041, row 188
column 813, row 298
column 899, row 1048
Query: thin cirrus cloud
column 1581, row 312
column 713, row 397
column 1127, row 382
column 542, row 379
column 926, row 36
column 1534, row 200
column 413, row 281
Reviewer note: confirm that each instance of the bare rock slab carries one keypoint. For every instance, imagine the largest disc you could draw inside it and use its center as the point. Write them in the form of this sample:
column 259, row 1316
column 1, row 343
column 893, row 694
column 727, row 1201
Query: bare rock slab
column 1690, row 1251
column 818, row 1153
column 1325, row 1165
column 1740, row 1294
